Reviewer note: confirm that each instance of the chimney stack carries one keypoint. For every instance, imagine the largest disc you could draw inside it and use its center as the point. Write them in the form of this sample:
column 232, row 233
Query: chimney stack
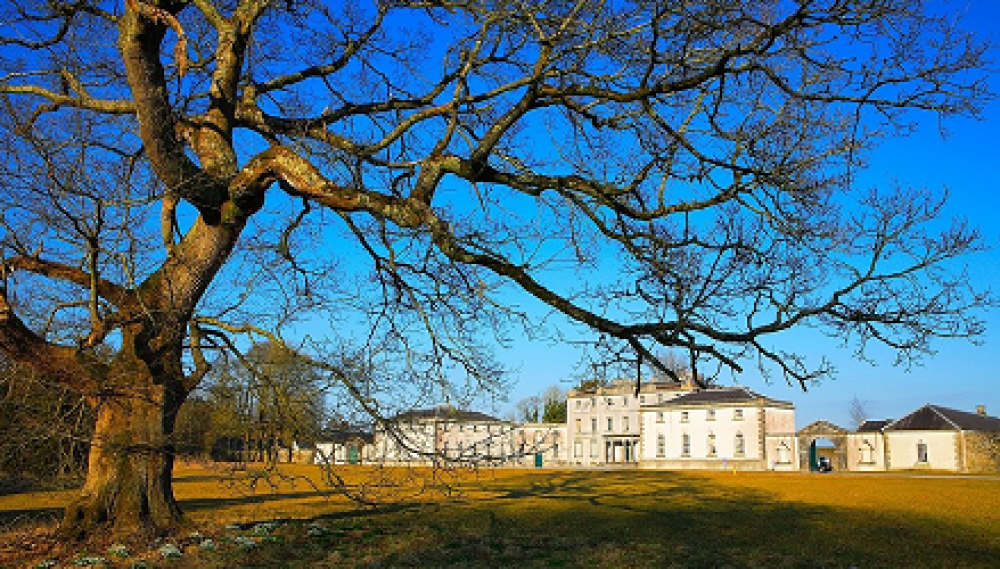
column 981, row 410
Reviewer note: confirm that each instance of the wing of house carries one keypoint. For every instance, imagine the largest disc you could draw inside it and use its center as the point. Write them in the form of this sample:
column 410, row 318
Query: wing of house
column 939, row 438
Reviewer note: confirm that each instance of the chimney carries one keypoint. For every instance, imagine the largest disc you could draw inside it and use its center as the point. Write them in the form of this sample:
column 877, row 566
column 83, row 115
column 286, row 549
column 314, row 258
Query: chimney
column 981, row 410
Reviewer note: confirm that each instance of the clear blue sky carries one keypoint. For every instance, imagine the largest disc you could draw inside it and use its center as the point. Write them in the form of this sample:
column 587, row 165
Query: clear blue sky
column 960, row 375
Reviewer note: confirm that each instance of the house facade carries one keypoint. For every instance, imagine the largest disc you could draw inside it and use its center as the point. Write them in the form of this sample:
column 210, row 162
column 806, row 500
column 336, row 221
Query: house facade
column 673, row 425
column 866, row 451
column 932, row 437
column 603, row 423
column 939, row 438
column 730, row 429
column 427, row 436
column 448, row 435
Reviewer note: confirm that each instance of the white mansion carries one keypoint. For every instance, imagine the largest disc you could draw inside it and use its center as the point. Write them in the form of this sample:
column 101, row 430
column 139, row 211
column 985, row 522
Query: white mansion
column 666, row 425
column 675, row 425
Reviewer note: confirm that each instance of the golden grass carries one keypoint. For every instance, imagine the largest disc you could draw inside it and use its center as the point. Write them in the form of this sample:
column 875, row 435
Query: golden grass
column 563, row 518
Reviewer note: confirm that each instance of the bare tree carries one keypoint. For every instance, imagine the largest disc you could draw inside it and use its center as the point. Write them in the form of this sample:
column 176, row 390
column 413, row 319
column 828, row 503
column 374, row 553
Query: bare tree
column 44, row 428
column 858, row 410
column 529, row 409
column 226, row 167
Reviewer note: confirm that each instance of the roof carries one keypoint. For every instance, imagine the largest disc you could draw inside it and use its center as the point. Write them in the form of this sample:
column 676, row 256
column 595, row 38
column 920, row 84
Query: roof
column 624, row 386
column 348, row 434
column 873, row 426
column 445, row 413
column 938, row 418
column 723, row 396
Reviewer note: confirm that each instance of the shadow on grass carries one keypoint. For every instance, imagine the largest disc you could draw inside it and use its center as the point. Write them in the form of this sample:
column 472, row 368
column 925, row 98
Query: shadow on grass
column 606, row 519
column 634, row 519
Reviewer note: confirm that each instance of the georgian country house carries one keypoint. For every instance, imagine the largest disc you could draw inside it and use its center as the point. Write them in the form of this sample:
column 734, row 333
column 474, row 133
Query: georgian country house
column 603, row 422
column 675, row 425
column 425, row 436
column 729, row 429
column 446, row 434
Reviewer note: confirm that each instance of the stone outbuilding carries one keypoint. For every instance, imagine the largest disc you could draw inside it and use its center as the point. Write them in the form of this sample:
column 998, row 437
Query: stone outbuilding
column 938, row 438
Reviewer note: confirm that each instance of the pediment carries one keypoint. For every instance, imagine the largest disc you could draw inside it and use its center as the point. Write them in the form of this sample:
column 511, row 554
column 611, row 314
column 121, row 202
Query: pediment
column 817, row 428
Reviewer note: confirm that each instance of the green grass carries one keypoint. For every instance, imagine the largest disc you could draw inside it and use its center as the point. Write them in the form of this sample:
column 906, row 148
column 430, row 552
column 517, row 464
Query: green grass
column 511, row 518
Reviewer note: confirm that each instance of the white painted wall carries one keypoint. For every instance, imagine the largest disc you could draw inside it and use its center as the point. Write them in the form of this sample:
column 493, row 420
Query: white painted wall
column 941, row 450
column 866, row 452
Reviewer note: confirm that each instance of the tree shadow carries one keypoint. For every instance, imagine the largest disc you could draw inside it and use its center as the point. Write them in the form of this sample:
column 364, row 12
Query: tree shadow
column 635, row 519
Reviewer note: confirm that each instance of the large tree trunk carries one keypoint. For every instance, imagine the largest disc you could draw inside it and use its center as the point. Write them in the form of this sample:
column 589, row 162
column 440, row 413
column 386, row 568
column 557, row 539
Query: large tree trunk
column 128, row 487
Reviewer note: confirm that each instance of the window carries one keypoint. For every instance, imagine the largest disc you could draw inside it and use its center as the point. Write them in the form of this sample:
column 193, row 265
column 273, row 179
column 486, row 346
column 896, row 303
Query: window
column 921, row 451
column 577, row 449
column 642, row 399
column 684, row 417
column 611, row 423
column 686, row 445
column 738, row 415
column 741, row 445
column 625, row 401
column 578, row 402
column 710, row 414
column 659, row 398
column 444, row 449
column 711, row 445
column 661, row 445
column 593, row 424
column 867, row 452
column 610, row 401
column 784, row 454
column 659, row 416
column 625, row 424
column 579, row 426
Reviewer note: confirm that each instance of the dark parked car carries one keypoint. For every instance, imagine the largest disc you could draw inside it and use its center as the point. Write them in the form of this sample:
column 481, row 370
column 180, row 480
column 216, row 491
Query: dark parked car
column 824, row 464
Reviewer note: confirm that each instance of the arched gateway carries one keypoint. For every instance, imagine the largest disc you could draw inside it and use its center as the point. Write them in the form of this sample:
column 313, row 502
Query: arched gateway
column 810, row 434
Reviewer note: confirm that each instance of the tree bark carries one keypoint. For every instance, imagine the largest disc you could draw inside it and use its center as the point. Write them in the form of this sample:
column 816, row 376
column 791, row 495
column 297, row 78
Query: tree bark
column 128, row 488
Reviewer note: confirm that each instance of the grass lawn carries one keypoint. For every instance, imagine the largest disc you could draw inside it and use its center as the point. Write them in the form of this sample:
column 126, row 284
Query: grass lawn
column 550, row 518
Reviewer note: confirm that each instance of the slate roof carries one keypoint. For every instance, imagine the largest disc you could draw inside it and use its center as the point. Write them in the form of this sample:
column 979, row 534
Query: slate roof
column 873, row 426
column 342, row 436
column 445, row 413
column 938, row 418
column 724, row 396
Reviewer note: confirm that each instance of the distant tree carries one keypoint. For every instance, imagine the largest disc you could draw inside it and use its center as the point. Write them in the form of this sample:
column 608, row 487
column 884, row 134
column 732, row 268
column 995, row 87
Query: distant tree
column 555, row 411
column 529, row 409
column 177, row 172
column 554, row 408
column 193, row 436
column 45, row 428
column 269, row 398
column 858, row 410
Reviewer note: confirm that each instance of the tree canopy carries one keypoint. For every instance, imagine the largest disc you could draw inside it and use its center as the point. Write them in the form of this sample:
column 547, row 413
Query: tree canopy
column 668, row 174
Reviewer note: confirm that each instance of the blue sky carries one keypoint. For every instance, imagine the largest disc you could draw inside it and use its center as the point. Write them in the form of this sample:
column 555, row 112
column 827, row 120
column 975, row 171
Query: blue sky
column 960, row 375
